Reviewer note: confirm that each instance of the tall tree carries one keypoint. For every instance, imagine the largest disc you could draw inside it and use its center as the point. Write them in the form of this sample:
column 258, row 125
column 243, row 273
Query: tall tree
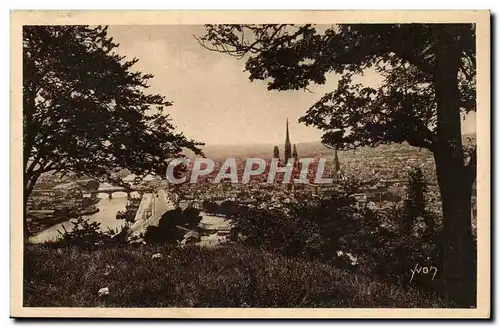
column 428, row 73
column 86, row 110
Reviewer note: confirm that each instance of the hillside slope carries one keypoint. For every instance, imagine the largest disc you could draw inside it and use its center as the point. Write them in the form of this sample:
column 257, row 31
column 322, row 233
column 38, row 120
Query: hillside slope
column 199, row 277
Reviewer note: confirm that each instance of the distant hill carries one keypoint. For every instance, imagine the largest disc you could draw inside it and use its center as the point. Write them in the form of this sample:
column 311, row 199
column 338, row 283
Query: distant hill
column 304, row 149
column 309, row 149
column 265, row 151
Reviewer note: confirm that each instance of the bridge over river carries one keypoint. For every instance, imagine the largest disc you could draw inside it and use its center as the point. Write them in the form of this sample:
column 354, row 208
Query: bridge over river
column 110, row 190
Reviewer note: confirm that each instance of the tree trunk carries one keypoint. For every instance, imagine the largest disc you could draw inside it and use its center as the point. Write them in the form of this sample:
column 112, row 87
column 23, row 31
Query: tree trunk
column 458, row 264
column 26, row 231
column 457, row 249
column 29, row 183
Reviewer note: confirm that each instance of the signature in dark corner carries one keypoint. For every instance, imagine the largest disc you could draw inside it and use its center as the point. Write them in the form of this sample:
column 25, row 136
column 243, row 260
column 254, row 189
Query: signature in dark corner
column 423, row 270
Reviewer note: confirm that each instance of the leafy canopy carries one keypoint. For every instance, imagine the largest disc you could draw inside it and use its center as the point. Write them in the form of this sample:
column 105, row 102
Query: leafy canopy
column 86, row 110
column 402, row 108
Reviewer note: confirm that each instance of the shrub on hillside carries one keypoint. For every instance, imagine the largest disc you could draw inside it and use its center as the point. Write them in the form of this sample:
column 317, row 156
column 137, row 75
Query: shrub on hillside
column 201, row 277
column 316, row 230
column 337, row 232
column 172, row 226
column 88, row 234
column 84, row 233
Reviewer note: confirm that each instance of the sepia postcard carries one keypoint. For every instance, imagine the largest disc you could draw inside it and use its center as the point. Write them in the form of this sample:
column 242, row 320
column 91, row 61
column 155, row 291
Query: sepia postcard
column 250, row 164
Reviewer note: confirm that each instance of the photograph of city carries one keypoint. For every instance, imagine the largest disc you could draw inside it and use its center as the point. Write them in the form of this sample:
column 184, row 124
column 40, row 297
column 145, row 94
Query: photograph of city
column 249, row 166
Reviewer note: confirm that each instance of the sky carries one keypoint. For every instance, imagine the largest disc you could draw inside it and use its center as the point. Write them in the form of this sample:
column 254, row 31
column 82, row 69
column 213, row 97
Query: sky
column 213, row 100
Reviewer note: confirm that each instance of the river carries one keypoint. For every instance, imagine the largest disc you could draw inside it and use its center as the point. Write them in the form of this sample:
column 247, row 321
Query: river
column 106, row 216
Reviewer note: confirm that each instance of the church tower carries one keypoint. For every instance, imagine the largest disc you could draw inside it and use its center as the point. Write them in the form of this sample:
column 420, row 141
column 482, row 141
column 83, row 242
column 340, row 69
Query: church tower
column 338, row 175
column 276, row 152
column 295, row 154
column 288, row 145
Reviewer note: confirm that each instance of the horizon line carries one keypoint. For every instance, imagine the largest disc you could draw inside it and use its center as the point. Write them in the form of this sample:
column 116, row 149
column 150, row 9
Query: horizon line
column 280, row 143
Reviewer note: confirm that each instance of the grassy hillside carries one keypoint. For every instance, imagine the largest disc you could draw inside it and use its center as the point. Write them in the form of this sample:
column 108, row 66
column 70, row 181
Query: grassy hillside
column 199, row 277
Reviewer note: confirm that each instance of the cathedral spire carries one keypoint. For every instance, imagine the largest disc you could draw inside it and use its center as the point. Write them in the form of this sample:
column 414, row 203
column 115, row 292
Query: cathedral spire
column 294, row 153
column 287, row 138
column 288, row 145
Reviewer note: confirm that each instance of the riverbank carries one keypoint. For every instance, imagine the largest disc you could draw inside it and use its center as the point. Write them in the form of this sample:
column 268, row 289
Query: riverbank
column 39, row 224
column 106, row 216
column 199, row 277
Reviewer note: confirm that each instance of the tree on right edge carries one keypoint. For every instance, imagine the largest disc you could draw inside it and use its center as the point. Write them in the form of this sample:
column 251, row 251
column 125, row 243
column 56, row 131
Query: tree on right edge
column 429, row 77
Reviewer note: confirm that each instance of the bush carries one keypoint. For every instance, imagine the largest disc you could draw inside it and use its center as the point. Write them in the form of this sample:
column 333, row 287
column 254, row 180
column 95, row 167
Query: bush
column 84, row 234
column 172, row 226
column 334, row 231
column 88, row 234
column 316, row 231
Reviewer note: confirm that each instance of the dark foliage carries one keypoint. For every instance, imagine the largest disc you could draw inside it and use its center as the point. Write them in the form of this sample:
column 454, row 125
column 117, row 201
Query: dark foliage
column 88, row 234
column 415, row 202
column 173, row 226
column 90, row 185
column 337, row 232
